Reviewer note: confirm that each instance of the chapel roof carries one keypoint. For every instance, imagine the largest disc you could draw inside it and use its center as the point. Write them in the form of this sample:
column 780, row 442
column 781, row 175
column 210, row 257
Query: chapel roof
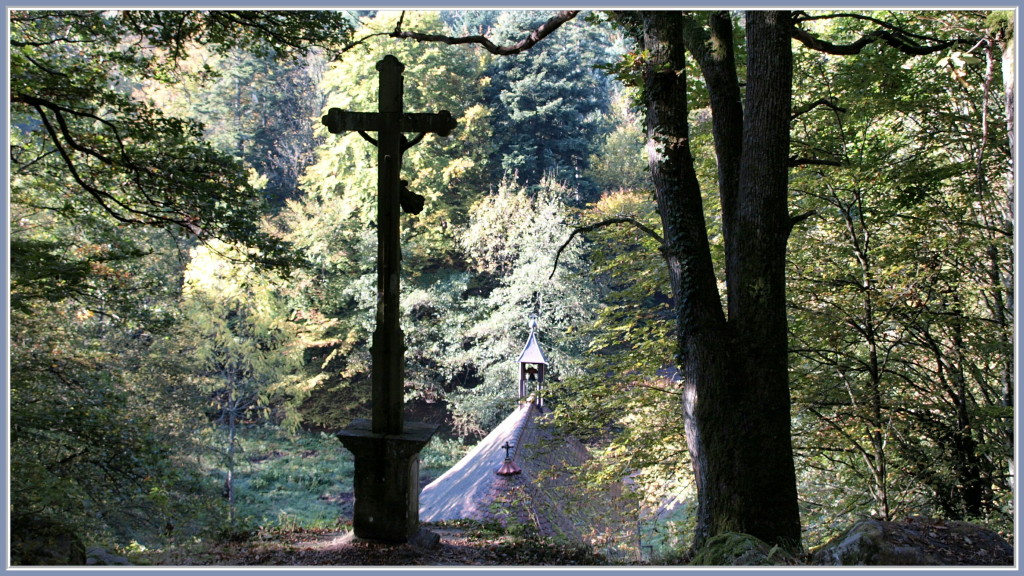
column 539, row 496
column 532, row 353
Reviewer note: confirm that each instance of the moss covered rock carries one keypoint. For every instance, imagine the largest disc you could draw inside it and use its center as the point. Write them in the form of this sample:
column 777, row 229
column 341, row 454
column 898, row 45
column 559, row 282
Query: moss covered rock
column 915, row 542
column 735, row 549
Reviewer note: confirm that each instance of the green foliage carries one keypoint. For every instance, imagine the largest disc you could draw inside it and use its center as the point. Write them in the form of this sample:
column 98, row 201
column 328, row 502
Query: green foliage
column 549, row 103
column 95, row 430
column 257, row 109
column 1000, row 22
column 898, row 315
column 732, row 549
column 440, row 454
column 626, row 400
column 80, row 126
column 471, row 269
column 450, row 172
column 333, row 224
column 240, row 347
column 95, row 417
column 511, row 243
column 135, row 133
column 237, row 333
column 621, row 161
column 103, row 185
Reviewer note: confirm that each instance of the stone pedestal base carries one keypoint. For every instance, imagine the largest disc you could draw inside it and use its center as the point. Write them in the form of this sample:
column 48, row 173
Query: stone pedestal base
column 387, row 470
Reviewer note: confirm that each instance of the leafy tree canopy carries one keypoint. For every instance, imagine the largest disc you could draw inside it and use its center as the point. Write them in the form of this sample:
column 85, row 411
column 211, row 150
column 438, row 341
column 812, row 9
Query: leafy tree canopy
column 79, row 123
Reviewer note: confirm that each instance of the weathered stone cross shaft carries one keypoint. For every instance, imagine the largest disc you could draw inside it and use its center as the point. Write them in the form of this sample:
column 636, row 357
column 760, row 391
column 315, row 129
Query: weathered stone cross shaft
column 388, row 350
column 386, row 449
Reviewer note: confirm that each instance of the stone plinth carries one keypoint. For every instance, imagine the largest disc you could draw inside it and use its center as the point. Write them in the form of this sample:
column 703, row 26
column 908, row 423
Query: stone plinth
column 386, row 479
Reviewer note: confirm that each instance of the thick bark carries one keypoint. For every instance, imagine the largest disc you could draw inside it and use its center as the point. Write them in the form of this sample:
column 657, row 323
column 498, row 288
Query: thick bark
column 735, row 371
column 715, row 54
column 755, row 275
column 702, row 345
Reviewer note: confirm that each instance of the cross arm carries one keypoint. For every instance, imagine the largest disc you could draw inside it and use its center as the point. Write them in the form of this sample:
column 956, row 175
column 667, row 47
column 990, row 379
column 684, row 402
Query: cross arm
column 338, row 121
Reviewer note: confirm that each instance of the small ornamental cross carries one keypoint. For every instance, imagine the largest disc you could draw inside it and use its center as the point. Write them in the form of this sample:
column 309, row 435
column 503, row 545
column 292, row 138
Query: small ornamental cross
column 390, row 123
column 508, row 468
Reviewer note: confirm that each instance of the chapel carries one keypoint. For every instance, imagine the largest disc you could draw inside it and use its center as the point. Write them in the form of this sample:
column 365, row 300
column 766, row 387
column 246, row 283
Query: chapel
column 521, row 472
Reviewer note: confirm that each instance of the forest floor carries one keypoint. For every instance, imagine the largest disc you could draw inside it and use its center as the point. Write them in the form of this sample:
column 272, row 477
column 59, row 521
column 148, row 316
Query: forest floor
column 457, row 547
column 473, row 544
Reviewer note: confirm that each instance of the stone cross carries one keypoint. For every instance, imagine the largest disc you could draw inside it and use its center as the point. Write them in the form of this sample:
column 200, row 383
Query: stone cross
column 386, row 449
column 390, row 122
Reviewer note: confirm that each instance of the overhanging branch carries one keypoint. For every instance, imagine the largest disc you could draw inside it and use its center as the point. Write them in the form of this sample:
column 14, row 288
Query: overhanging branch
column 608, row 222
column 801, row 16
column 897, row 39
column 805, row 108
column 797, row 219
column 65, row 144
column 795, row 161
column 526, row 43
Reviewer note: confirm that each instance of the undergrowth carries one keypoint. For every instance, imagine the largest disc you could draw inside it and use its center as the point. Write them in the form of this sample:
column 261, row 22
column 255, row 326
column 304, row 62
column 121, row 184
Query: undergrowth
column 303, row 480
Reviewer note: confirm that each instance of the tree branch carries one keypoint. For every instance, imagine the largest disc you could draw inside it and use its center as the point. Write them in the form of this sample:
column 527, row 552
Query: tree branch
column 798, row 218
column 804, row 109
column 121, row 210
column 799, row 17
column 99, row 195
column 362, row 41
column 656, row 389
column 795, row 161
column 898, row 39
column 526, row 43
column 591, row 227
column 59, row 111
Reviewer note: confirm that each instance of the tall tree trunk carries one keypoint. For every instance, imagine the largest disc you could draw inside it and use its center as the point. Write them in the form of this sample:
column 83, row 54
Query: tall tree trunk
column 1009, row 88
column 229, row 482
column 702, row 345
column 974, row 491
column 756, row 279
column 736, row 374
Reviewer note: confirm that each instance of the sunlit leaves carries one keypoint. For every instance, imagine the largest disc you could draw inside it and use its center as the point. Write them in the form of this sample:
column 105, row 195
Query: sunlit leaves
column 237, row 331
column 894, row 283
column 86, row 125
column 334, row 223
column 511, row 243
column 105, row 187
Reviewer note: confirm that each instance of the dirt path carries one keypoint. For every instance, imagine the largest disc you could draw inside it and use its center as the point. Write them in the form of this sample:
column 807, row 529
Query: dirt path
column 457, row 547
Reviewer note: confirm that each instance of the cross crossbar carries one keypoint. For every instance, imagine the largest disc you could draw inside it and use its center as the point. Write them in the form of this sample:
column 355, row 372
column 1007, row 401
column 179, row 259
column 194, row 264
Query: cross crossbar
column 389, row 122
column 338, row 121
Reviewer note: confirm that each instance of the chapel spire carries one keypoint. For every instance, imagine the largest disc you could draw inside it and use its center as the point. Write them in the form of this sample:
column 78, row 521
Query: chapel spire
column 532, row 365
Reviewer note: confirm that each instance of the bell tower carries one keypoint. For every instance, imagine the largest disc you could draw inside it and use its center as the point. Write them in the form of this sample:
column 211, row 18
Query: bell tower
column 532, row 365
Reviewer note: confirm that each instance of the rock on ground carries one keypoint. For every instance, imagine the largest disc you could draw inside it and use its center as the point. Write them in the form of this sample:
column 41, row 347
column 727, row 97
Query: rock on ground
column 915, row 542
column 97, row 556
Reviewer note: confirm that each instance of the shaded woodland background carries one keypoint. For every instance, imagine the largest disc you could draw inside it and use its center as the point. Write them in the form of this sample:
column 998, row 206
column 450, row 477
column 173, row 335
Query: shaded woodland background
column 192, row 266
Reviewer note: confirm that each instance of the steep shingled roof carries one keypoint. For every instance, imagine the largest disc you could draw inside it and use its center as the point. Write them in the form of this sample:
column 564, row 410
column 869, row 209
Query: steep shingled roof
column 532, row 353
column 535, row 497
